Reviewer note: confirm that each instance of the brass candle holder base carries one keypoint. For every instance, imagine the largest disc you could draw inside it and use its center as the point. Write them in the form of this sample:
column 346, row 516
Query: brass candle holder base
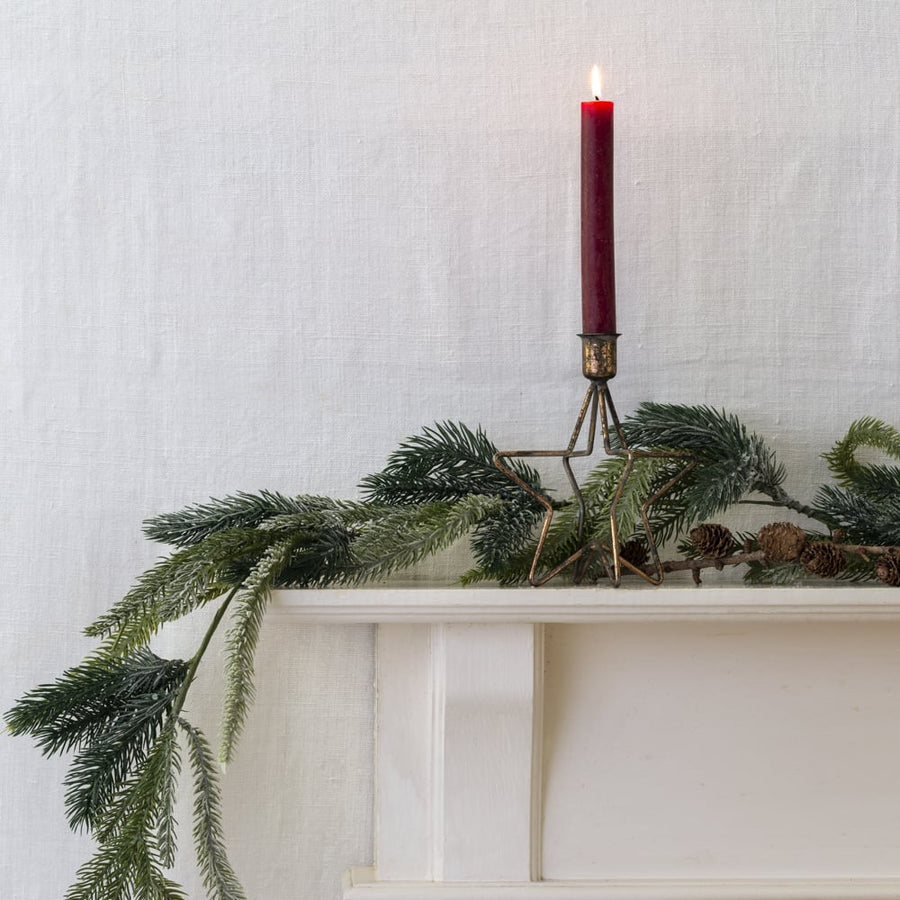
column 599, row 367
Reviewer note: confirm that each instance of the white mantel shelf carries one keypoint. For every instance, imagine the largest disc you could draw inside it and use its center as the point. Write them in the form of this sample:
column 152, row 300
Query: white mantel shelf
column 720, row 742
column 683, row 602
column 360, row 885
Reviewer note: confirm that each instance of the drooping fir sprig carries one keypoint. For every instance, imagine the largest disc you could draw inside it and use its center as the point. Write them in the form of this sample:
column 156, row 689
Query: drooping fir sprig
column 121, row 711
column 218, row 876
column 190, row 578
column 249, row 602
column 108, row 710
column 119, row 715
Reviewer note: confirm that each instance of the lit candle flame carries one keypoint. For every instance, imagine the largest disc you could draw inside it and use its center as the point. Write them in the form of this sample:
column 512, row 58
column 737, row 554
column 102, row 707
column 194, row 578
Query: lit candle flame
column 596, row 84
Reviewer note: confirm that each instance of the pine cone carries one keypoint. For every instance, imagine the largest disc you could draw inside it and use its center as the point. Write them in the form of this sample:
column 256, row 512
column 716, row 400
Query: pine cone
column 822, row 558
column 887, row 569
column 635, row 552
column 712, row 541
column 781, row 541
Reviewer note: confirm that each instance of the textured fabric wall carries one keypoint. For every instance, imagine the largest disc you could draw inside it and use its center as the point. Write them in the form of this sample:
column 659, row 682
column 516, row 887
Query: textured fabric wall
column 248, row 245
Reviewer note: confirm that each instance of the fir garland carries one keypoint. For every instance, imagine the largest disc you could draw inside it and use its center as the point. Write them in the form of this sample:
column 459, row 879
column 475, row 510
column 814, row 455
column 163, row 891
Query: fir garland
column 120, row 711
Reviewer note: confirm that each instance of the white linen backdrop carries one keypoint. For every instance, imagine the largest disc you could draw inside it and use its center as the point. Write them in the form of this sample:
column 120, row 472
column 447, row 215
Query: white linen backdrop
column 254, row 245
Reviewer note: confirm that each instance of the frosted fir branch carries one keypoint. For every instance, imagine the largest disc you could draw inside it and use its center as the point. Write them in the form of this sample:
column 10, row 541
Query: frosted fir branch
column 447, row 461
column 250, row 602
column 190, row 525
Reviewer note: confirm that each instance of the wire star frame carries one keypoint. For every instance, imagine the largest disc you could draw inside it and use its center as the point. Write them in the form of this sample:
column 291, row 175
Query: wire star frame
column 599, row 366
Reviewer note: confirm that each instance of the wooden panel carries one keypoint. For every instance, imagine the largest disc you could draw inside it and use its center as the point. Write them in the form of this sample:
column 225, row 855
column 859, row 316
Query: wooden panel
column 722, row 751
column 404, row 815
column 455, row 745
column 724, row 744
column 488, row 715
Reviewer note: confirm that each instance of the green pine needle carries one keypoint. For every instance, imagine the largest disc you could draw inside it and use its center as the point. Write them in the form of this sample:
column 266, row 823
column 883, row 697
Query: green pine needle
column 188, row 579
column 111, row 711
column 218, row 876
column 399, row 537
column 194, row 523
column 145, row 796
column 878, row 482
column 712, row 436
column 100, row 769
column 503, row 535
column 866, row 432
column 671, row 514
column 863, row 519
column 166, row 836
column 127, row 864
column 447, row 461
column 774, row 573
column 866, row 504
column 321, row 540
column 85, row 699
column 731, row 462
column 786, row 573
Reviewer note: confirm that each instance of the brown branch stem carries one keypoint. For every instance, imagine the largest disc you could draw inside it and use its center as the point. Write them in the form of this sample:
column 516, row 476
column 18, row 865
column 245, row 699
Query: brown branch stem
column 695, row 565
column 863, row 550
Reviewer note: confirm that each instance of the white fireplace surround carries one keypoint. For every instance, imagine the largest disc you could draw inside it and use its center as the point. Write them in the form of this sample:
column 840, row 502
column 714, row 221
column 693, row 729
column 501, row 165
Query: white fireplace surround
column 728, row 743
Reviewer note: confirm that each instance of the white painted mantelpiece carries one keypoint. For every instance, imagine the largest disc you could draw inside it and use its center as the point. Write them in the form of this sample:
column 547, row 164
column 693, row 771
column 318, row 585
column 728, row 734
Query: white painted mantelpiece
column 720, row 743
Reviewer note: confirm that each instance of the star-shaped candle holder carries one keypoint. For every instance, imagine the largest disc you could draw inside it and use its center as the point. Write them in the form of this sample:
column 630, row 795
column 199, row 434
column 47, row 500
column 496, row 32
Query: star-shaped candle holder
column 598, row 366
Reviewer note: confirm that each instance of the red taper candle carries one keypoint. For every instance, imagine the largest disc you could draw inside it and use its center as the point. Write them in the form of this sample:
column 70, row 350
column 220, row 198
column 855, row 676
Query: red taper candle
column 598, row 272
